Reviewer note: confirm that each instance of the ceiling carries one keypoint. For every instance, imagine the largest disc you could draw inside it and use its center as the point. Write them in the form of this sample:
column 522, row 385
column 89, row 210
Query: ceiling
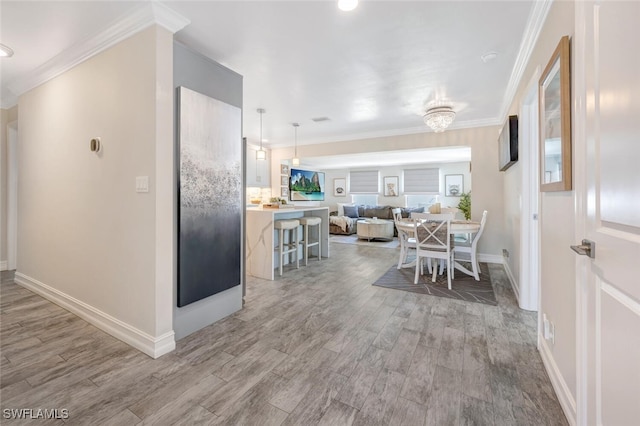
column 371, row 71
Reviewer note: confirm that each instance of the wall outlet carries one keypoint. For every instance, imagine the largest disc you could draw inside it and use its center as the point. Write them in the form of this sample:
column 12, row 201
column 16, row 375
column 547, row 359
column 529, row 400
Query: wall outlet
column 548, row 329
column 505, row 253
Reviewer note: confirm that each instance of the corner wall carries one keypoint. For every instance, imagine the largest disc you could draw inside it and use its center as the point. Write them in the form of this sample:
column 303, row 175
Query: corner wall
column 86, row 239
column 487, row 180
column 556, row 216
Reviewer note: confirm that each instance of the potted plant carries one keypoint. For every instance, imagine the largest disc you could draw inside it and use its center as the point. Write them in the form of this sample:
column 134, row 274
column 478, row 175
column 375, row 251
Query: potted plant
column 465, row 205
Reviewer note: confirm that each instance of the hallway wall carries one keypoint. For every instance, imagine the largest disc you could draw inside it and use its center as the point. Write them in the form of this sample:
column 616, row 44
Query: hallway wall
column 85, row 236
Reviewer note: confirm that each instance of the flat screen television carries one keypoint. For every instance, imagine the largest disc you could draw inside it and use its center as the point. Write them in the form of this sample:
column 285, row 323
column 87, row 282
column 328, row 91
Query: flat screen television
column 305, row 185
column 508, row 143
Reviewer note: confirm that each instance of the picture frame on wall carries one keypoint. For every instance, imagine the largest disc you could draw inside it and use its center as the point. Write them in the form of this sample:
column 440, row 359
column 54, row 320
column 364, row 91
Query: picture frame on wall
column 284, row 180
column 391, row 184
column 284, row 192
column 554, row 91
column 340, row 187
column 284, row 169
column 453, row 185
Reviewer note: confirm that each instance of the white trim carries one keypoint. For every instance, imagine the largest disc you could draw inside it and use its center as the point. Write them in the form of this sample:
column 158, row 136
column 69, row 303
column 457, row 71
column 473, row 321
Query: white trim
column 567, row 402
column 471, row 124
column 120, row 29
column 3, row 265
column 490, row 258
column 512, row 280
column 11, row 208
column 150, row 345
column 535, row 23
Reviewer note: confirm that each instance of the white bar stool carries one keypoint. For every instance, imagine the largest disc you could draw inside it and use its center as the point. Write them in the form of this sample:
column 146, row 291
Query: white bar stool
column 307, row 222
column 285, row 249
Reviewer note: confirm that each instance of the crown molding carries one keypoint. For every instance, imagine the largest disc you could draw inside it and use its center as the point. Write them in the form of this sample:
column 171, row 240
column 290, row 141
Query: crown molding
column 120, row 29
column 389, row 133
column 536, row 21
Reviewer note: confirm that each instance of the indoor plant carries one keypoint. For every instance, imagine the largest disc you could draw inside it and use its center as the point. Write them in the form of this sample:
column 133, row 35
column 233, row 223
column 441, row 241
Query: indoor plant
column 465, row 205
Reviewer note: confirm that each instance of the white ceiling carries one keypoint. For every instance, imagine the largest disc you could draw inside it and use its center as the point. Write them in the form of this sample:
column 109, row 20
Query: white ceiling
column 372, row 71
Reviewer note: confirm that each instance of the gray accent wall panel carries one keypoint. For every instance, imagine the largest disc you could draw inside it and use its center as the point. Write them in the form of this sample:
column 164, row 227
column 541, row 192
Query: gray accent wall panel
column 196, row 72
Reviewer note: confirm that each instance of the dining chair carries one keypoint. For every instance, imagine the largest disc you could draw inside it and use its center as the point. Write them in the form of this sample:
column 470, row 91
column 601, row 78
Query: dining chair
column 406, row 242
column 469, row 251
column 433, row 241
column 432, row 216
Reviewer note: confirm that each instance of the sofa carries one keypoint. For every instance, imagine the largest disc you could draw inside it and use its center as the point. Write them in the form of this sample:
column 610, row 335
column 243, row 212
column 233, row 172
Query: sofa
column 345, row 220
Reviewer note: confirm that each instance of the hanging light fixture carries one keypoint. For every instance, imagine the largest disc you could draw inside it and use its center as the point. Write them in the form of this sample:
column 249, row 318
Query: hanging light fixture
column 261, row 154
column 295, row 160
column 439, row 118
column 347, row 5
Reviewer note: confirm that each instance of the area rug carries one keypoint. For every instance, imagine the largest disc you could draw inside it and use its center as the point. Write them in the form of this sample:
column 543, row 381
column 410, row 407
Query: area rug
column 463, row 286
column 353, row 239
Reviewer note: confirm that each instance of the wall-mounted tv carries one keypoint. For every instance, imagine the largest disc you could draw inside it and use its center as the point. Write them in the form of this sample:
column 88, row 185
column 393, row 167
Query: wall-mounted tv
column 305, row 185
column 508, row 143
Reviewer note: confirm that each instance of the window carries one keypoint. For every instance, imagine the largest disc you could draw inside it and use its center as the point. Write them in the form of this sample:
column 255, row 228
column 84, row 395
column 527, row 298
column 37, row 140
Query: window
column 420, row 200
column 364, row 182
column 365, row 199
column 422, row 181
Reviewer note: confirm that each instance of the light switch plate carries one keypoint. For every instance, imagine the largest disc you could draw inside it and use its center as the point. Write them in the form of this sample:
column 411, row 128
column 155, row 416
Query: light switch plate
column 142, row 183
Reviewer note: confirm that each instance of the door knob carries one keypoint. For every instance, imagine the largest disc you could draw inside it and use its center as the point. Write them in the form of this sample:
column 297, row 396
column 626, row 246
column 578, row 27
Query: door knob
column 587, row 248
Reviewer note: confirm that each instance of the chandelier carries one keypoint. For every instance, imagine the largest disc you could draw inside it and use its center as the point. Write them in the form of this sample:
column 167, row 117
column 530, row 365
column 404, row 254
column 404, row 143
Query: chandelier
column 439, row 118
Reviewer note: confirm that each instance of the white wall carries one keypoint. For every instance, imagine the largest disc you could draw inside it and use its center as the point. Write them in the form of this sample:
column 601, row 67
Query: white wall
column 556, row 215
column 487, row 180
column 6, row 117
column 85, row 237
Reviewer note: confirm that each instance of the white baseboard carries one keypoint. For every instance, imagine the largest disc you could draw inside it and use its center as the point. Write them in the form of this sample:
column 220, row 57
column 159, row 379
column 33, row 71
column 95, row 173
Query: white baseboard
column 512, row 280
column 567, row 401
column 152, row 346
column 3, row 265
column 490, row 258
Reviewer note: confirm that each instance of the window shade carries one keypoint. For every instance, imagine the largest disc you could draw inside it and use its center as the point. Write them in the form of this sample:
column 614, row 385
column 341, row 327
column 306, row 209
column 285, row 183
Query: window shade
column 422, row 181
column 364, row 182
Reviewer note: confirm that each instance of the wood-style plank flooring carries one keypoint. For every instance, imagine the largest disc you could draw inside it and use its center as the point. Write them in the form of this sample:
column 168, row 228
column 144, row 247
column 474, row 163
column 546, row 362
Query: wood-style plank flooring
column 320, row 345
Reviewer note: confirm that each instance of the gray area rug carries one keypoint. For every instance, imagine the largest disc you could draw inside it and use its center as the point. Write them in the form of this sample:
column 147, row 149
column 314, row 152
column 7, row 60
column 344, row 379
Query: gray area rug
column 463, row 286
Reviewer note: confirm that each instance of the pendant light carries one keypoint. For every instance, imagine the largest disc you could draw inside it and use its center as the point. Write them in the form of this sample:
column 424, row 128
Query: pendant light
column 261, row 154
column 295, row 160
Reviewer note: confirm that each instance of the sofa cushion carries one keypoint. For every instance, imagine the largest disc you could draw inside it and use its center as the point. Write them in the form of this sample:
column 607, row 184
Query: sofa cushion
column 351, row 211
column 381, row 212
column 406, row 211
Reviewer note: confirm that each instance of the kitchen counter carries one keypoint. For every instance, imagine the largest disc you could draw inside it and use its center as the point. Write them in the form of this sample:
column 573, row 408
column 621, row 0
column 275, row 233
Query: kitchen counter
column 261, row 238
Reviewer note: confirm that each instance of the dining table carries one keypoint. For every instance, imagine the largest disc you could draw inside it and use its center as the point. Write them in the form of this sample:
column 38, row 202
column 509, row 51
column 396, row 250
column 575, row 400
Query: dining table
column 406, row 229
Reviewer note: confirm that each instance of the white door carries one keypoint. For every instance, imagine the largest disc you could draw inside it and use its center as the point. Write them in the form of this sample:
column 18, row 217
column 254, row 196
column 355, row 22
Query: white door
column 607, row 107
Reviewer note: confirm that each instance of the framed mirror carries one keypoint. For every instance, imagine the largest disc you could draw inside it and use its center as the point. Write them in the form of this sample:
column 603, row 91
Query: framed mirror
column 554, row 91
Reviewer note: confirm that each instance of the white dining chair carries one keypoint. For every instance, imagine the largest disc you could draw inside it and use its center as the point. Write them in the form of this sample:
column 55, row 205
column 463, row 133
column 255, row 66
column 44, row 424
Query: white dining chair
column 469, row 252
column 433, row 241
column 432, row 216
column 406, row 242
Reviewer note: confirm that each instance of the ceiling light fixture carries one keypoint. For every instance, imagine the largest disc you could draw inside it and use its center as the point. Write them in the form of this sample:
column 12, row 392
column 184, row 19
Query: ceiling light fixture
column 261, row 154
column 439, row 118
column 5, row 51
column 347, row 5
column 295, row 160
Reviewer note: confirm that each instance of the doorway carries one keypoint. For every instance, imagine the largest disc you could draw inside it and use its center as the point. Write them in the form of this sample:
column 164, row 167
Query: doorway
column 529, row 280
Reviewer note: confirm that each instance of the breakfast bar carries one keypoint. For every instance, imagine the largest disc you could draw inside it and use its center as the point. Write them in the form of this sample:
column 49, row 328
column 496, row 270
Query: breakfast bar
column 261, row 260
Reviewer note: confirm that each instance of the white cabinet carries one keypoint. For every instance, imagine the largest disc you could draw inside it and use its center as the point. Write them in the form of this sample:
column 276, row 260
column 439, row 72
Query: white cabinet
column 258, row 171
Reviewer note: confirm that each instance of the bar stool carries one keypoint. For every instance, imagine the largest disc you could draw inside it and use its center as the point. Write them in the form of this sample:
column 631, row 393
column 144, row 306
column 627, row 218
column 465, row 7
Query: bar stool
column 307, row 222
column 285, row 249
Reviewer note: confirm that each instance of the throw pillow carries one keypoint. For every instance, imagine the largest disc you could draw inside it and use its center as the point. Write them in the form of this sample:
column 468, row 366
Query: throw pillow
column 351, row 211
column 341, row 208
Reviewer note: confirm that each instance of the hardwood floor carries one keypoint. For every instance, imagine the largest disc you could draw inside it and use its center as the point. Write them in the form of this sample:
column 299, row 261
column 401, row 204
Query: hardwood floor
column 320, row 345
